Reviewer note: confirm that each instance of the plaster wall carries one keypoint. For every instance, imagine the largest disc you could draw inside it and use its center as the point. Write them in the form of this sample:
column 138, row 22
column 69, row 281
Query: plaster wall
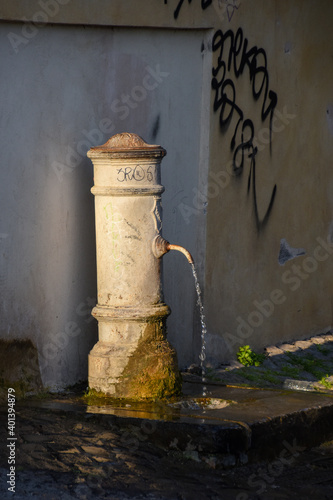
column 68, row 89
column 248, row 178
column 267, row 281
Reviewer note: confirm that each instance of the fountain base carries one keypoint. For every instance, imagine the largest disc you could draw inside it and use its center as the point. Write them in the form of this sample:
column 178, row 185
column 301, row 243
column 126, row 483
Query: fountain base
column 133, row 358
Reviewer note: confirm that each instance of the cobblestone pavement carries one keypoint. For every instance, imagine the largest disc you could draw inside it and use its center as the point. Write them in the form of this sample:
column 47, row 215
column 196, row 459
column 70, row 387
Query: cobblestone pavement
column 302, row 365
column 75, row 455
column 67, row 455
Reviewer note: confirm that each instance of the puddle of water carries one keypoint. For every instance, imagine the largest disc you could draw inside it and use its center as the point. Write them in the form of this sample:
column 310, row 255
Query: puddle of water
column 206, row 409
column 167, row 411
column 165, row 415
column 201, row 404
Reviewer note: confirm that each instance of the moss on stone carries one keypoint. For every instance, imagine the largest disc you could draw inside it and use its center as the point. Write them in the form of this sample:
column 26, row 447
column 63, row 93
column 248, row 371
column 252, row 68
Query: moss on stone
column 92, row 397
column 152, row 371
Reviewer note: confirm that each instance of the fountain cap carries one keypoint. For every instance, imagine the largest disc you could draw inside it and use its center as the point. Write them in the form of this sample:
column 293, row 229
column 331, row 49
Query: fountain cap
column 126, row 145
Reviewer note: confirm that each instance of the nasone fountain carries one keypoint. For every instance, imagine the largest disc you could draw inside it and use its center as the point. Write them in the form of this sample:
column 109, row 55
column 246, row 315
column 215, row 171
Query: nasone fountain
column 132, row 358
column 133, row 376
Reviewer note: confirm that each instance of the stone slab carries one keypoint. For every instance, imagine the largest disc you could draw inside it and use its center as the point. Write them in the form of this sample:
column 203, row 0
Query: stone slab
column 237, row 433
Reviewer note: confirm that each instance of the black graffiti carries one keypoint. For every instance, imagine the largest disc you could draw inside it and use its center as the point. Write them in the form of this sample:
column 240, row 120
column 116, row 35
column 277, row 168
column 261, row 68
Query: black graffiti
column 235, row 56
column 230, row 6
column 204, row 5
column 239, row 58
column 138, row 173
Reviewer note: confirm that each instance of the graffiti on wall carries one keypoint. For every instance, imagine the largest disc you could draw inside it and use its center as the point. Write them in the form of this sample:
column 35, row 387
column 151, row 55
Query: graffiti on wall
column 204, row 5
column 229, row 6
column 236, row 58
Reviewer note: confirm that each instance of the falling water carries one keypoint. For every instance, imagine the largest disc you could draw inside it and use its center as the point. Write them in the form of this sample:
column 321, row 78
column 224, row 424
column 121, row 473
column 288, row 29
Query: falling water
column 202, row 356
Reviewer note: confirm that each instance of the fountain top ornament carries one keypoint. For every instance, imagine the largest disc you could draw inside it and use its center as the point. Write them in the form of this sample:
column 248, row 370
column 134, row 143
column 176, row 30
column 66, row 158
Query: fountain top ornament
column 127, row 145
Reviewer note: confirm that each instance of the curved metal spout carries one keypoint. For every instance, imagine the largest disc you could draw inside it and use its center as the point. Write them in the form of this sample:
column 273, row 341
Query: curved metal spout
column 162, row 246
column 182, row 250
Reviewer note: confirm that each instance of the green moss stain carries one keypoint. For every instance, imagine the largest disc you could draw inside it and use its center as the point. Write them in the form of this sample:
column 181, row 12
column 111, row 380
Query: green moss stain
column 92, row 397
column 152, row 371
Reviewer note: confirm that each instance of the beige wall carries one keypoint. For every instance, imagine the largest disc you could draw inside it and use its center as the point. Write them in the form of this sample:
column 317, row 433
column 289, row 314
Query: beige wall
column 242, row 253
column 64, row 78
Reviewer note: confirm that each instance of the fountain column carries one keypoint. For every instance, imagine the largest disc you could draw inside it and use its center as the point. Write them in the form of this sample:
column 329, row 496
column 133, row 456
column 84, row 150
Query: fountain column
column 132, row 357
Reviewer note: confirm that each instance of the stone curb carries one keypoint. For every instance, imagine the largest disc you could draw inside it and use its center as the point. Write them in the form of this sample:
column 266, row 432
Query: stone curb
column 233, row 440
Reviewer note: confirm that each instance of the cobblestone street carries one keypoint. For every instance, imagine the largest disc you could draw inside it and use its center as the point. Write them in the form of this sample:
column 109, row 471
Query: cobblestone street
column 70, row 455
column 66, row 449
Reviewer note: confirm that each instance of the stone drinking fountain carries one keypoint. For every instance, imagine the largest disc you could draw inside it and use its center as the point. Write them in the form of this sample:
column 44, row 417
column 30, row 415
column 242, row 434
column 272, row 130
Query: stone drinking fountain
column 132, row 358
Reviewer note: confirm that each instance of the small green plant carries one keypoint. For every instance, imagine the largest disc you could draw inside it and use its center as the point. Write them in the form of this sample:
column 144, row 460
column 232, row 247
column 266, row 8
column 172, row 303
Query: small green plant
column 247, row 357
column 326, row 383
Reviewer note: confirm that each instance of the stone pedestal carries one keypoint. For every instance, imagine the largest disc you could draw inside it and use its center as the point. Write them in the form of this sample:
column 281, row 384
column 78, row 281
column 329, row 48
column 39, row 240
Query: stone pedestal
column 132, row 357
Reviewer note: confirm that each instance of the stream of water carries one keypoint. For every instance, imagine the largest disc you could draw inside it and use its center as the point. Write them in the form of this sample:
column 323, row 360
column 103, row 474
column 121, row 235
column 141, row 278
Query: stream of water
column 202, row 355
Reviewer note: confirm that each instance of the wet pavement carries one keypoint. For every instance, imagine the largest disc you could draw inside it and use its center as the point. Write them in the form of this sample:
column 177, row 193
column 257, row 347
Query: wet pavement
column 240, row 442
